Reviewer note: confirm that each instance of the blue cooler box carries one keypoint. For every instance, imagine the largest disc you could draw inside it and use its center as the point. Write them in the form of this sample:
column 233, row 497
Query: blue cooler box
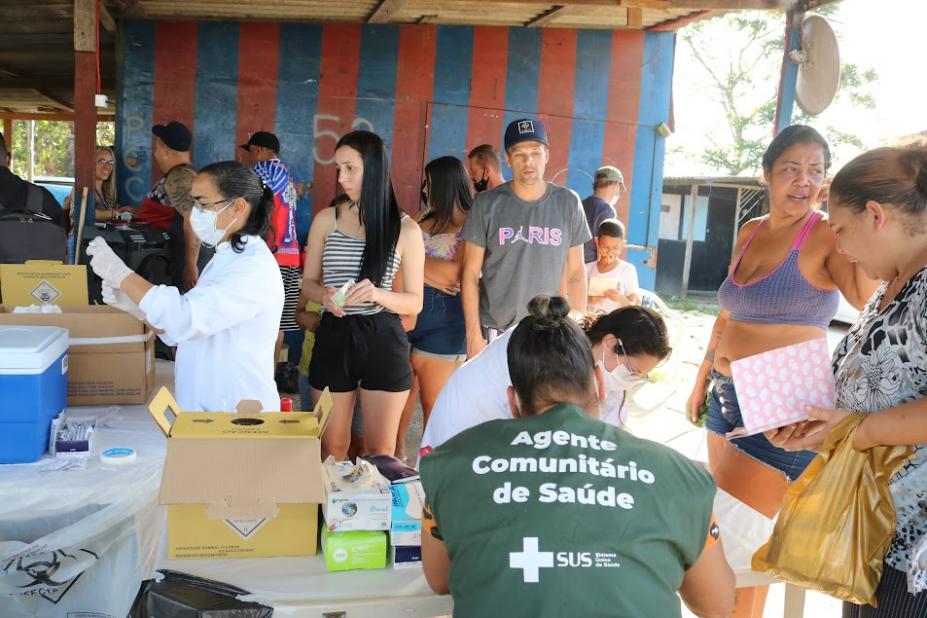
column 33, row 388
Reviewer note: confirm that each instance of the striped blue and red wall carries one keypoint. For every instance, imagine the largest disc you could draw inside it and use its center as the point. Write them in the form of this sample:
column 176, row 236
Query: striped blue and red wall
column 427, row 90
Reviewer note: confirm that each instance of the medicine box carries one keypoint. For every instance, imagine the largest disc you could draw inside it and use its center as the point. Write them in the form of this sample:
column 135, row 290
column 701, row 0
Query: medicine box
column 355, row 549
column 407, row 556
column 33, row 388
column 406, row 524
column 356, row 497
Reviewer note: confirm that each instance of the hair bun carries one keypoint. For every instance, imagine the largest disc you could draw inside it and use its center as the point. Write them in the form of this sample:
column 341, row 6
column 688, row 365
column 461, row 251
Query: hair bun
column 549, row 311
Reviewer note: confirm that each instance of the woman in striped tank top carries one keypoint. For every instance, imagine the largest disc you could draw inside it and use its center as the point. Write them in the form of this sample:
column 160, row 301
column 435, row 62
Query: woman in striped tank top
column 361, row 343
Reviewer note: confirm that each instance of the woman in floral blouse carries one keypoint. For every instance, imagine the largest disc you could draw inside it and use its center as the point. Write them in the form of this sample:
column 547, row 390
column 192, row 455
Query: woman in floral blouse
column 878, row 209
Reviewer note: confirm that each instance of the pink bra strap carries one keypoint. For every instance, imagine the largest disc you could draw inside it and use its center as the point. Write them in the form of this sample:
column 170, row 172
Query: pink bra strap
column 806, row 229
column 747, row 244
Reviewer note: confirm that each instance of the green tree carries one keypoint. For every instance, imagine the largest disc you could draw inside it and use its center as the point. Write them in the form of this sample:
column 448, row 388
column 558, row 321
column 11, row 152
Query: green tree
column 54, row 146
column 744, row 83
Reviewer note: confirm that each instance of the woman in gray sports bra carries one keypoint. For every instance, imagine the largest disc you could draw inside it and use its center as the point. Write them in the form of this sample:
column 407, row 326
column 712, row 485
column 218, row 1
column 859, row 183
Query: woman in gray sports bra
column 782, row 289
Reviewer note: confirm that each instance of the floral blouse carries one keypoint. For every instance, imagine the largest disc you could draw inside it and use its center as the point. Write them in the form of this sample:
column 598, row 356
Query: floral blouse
column 881, row 363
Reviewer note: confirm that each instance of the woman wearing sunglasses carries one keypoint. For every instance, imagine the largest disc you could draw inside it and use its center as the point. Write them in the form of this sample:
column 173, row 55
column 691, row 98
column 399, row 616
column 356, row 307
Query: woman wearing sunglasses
column 225, row 327
column 626, row 345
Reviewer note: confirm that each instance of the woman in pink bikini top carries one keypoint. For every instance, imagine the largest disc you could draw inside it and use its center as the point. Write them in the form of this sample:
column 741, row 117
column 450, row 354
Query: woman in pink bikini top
column 782, row 288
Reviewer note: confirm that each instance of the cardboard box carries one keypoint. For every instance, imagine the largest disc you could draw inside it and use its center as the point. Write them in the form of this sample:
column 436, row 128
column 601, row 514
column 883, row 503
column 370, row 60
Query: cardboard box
column 405, row 556
column 111, row 354
column 43, row 282
column 356, row 497
column 357, row 549
column 406, row 519
column 241, row 485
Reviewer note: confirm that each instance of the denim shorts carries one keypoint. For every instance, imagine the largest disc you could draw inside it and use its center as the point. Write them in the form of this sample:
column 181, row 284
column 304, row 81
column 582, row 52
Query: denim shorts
column 724, row 416
column 440, row 329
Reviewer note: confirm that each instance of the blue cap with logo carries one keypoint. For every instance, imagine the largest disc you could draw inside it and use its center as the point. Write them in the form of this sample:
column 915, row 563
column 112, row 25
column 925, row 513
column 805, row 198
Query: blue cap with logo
column 525, row 130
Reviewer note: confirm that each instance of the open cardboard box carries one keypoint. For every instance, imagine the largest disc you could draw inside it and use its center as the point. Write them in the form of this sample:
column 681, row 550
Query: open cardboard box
column 241, row 485
column 111, row 353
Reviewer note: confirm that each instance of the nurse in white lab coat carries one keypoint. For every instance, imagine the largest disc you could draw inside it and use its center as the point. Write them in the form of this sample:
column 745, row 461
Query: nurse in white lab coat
column 626, row 344
column 225, row 328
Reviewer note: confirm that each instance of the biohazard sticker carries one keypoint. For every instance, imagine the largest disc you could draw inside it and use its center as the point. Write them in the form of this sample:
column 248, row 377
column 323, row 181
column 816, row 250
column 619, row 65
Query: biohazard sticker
column 39, row 574
column 45, row 293
column 245, row 528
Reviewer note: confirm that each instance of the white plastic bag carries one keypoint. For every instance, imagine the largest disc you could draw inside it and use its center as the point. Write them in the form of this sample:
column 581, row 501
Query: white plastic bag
column 86, row 562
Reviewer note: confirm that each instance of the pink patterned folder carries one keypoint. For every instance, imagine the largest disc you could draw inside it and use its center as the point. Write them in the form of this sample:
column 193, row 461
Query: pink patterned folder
column 774, row 387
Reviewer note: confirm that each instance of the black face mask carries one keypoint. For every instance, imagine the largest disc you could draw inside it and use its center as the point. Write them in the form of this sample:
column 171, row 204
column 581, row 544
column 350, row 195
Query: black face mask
column 481, row 185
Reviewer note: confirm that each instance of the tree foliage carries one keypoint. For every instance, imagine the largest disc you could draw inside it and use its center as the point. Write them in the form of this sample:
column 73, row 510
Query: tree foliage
column 743, row 79
column 54, row 146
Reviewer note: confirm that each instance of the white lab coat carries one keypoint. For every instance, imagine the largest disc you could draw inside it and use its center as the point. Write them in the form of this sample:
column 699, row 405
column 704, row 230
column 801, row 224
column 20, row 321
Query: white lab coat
column 225, row 329
column 478, row 392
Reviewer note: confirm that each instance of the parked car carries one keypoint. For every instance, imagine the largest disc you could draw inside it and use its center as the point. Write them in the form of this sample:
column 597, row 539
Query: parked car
column 846, row 313
column 60, row 187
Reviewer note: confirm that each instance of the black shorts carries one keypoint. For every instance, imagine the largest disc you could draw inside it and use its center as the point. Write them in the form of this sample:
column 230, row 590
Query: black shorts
column 370, row 350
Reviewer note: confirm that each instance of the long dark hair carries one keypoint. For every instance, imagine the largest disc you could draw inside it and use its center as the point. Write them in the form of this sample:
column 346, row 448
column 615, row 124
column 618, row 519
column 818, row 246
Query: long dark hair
column 449, row 186
column 234, row 179
column 641, row 330
column 550, row 359
column 378, row 211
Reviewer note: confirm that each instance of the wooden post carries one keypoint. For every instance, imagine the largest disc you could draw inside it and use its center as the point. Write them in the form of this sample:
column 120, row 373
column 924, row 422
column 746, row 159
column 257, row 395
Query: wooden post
column 85, row 87
column 737, row 206
column 8, row 132
column 687, row 263
column 30, row 174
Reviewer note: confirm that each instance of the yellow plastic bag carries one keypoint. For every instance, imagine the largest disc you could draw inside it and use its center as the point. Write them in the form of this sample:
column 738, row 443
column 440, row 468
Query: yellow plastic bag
column 837, row 519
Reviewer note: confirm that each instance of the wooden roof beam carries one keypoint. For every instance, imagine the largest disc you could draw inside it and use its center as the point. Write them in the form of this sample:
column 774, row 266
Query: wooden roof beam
column 728, row 5
column 635, row 18
column 60, row 102
column 548, row 16
column 106, row 20
column 385, row 11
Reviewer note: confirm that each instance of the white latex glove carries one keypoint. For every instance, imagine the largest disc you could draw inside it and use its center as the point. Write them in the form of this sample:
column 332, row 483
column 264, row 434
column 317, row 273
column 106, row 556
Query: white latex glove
column 106, row 264
column 114, row 297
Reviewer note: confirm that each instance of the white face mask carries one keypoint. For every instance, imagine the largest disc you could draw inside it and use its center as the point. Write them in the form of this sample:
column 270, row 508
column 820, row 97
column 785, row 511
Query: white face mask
column 203, row 223
column 618, row 379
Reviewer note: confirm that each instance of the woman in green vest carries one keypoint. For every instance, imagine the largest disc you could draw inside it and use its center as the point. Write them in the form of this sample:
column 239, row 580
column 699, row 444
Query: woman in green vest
column 556, row 513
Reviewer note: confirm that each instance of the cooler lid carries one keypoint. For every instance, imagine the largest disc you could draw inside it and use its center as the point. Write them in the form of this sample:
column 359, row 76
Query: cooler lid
column 30, row 349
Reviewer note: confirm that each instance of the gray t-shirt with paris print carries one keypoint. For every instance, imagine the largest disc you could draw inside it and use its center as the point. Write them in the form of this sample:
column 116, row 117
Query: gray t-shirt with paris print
column 526, row 246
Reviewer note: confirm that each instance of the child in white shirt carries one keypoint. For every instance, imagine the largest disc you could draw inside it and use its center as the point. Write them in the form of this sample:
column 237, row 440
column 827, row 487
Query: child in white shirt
column 611, row 281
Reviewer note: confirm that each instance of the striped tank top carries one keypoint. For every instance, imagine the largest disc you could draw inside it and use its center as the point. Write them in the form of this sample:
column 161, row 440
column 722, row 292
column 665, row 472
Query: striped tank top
column 341, row 260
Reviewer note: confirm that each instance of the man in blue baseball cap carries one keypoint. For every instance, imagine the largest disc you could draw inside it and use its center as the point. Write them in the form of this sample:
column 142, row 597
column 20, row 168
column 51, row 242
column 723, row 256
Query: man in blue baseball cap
column 522, row 238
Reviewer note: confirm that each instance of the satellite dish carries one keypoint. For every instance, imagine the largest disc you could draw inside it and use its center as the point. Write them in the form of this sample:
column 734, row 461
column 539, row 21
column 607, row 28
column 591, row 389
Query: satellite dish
column 819, row 65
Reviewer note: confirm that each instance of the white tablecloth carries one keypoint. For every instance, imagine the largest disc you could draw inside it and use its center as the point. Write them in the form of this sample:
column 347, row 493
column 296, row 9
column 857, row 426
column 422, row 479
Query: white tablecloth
column 83, row 540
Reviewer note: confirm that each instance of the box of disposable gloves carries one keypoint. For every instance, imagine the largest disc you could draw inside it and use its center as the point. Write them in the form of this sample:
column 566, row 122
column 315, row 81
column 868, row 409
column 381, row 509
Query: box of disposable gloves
column 357, row 497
